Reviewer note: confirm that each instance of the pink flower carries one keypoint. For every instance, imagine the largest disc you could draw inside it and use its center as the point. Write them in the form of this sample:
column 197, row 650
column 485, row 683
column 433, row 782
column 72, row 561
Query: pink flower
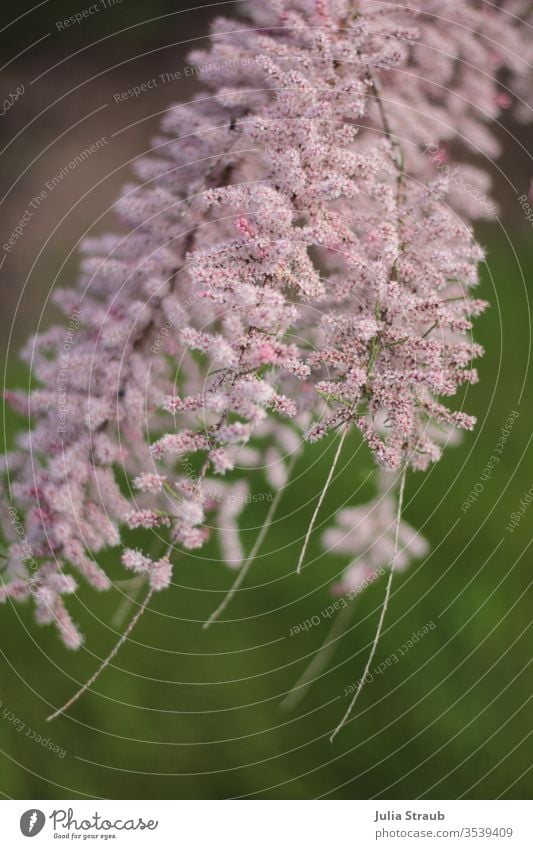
column 301, row 259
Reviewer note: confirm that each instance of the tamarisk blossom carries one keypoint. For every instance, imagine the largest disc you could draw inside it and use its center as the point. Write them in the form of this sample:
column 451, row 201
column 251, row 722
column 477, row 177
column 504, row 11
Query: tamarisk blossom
column 311, row 268
column 366, row 533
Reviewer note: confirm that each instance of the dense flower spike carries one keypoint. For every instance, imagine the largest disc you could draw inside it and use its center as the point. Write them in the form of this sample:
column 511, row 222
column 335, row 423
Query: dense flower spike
column 299, row 254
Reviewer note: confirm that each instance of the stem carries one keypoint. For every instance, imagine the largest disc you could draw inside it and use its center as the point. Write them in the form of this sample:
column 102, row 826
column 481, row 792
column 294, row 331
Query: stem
column 245, row 568
column 319, row 661
column 135, row 585
column 382, row 615
column 387, row 128
column 114, row 651
column 428, row 331
column 321, row 499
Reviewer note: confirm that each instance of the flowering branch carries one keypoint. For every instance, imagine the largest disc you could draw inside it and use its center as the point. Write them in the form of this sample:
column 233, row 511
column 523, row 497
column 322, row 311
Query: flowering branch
column 293, row 265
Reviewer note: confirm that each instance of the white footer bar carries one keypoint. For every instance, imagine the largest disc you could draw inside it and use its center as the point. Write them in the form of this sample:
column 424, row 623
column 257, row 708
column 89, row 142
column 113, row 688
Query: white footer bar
column 267, row 824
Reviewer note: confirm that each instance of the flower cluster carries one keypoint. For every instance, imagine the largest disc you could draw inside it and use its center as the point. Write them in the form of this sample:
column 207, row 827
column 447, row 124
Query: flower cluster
column 310, row 266
column 367, row 534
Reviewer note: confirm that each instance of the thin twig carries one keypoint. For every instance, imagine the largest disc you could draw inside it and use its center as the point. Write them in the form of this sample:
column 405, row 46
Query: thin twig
column 135, row 586
column 392, row 137
column 245, row 568
column 114, row 651
column 321, row 499
column 382, row 615
column 319, row 661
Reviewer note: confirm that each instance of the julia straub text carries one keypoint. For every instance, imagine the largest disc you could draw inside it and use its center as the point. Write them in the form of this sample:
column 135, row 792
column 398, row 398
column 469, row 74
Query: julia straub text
column 408, row 815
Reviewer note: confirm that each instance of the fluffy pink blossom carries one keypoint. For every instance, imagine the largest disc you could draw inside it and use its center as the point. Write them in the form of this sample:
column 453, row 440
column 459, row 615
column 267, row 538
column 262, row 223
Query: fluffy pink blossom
column 297, row 256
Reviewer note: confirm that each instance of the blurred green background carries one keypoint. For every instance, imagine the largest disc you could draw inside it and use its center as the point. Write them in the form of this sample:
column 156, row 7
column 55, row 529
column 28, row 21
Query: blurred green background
column 187, row 713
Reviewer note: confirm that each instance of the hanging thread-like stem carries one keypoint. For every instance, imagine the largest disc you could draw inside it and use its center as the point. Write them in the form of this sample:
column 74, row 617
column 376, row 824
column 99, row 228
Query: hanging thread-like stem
column 321, row 499
column 319, row 661
column 245, row 568
column 114, row 651
column 382, row 614
column 122, row 611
